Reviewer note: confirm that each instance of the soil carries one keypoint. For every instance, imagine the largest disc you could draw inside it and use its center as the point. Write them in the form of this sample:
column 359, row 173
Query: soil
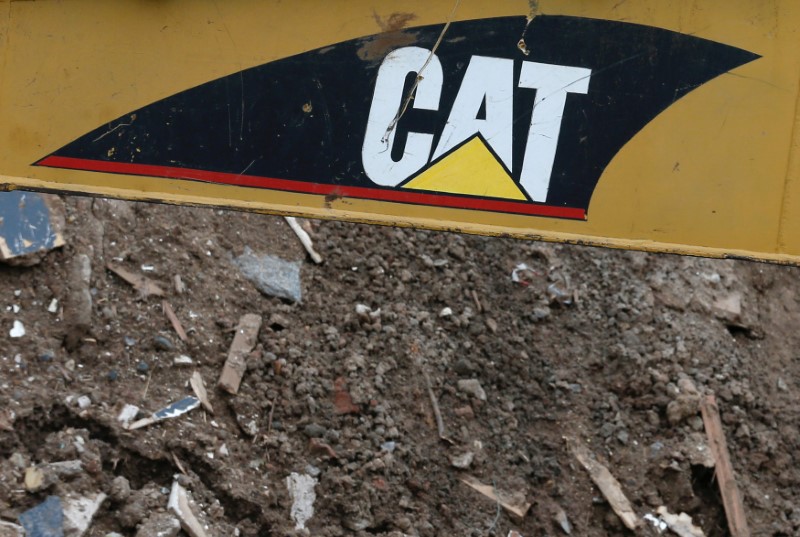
column 611, row 349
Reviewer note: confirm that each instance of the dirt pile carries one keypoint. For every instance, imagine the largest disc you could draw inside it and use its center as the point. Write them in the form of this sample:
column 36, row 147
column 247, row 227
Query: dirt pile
column 416, row 362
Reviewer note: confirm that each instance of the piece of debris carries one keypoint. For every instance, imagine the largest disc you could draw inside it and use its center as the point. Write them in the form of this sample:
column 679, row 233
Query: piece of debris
column 179, row 506
column 199, row 389
column 31, row 225
column 607, row 483
column 84, row 402
column 656, row 522
column 462, row 461
column 514, row 533
column 305, row 239
column 53, row 307
column 243, row 342
column 79, row 513
column 7, row 529
column 301, row 490
column 127, row 414
column 37, row 479
column 680, row 525
column 515, row 503
column 173, row 319
column 7, row 418
column 44, row 520
column 159, row 525
column 174, row 410
column 183, row 361
column 78, row 305
column 446, row 312
column 523, row 275
column 560, row 516
column 144, row 285
column 731, row 499
column 271, row 275
column 472, row 387
column 17, row 330
column 342, row 400
column 177, row 282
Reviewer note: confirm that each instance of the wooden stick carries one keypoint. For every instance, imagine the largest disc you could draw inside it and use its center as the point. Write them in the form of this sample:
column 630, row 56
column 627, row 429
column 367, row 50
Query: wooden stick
column 243, row 342
column 607, row 483
column 731, row 499
column 173, row 319
column 305, row 240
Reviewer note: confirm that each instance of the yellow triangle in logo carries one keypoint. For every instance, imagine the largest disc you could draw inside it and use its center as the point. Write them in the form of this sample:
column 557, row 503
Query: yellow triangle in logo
column 471, row 170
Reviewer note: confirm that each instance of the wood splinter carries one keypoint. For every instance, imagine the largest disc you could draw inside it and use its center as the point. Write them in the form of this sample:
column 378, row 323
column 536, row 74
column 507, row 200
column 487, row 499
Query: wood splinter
column 731, row 499
column 243, row 342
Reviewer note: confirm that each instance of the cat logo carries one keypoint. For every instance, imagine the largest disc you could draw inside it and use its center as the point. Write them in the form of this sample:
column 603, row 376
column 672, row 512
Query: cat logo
column 475, row 124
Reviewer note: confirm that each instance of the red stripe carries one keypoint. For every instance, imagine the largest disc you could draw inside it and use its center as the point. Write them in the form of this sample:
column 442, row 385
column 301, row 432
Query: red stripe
column 399, row 196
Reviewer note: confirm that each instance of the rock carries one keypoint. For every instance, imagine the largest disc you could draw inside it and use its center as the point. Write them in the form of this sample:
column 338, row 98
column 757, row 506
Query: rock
column 560, row 516
column 314, row 430
column 17, row 329
column 142, row 367
column 183, row 361
column 682, row 407
column 84, row 402
column 301, row 490
column 278, row 322
column 79, row 513
column 44, row 520
column 112, row 375
column 7, row 529
column 78, row 303
column 159, row 525
column 37, row 479
column 271, row 275
column 462, row 461
column 728, row 308
column 163, row 343
column 120, row 489
column 472, row 387
column 464, row 412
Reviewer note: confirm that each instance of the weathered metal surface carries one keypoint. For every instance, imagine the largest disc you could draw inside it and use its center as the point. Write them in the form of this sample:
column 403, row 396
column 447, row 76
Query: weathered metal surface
column 662, row 125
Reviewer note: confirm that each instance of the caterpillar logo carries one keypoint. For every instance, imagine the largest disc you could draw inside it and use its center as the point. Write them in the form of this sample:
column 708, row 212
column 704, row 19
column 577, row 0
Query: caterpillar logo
column 466, row 119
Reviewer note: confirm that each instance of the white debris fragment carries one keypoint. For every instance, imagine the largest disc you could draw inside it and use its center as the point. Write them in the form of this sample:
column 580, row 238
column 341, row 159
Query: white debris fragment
column 681, row 524
column 657, row 523
column 148, row 268
column 53, row 307
column 15, row 308
column 522, row 274
column 17, row 331
column 301, row 490
column 127, row 414
column 183, row 360
column 84, row 402
column 79, row 512
column 178, row 505
column 446, row 312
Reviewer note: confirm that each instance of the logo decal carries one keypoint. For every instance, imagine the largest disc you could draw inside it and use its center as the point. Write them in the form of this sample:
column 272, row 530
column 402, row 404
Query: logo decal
column 474, row 124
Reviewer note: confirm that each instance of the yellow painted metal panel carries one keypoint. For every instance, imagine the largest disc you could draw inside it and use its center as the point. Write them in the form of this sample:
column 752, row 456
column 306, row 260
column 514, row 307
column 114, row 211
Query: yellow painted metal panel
column 684, row 112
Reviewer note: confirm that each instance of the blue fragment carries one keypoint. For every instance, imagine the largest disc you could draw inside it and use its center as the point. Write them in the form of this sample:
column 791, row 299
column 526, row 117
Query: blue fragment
column 44, row 520
column 24, row 224
column 177, row 408
column 142, row 367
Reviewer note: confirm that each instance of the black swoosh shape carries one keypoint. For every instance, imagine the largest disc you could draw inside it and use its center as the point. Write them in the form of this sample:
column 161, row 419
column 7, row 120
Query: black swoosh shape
column 302, row 119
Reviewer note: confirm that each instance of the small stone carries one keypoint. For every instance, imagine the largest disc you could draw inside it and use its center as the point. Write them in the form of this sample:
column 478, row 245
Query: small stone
column 84, row 402
column 47, row 356
column 561, row 518
column 782, row 385
column 472, row 387
column 159, row 525
column 120, row 489
column 491, row 324
column 462, row 461
column 129, row 341
column 446, row 312
column 142, row 367
column 37, row 479
column 278, row 322
column 183, row 361
column 163, row 343
column 464, row 412
column 681, row 408
column 112, row 375
column 17, row 331
column 314, row 430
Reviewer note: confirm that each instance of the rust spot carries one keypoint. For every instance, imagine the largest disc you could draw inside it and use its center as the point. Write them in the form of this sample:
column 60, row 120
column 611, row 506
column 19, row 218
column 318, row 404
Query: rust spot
column 396, row 21
column 330, row 198
column 391, row 36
